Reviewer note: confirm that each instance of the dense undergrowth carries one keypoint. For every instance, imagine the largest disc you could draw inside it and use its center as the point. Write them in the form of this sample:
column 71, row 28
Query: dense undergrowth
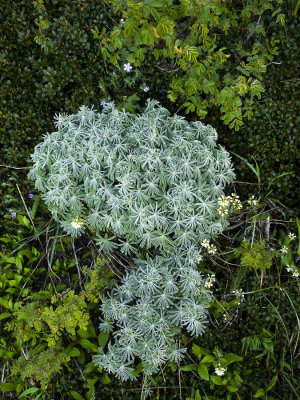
column 52, row 285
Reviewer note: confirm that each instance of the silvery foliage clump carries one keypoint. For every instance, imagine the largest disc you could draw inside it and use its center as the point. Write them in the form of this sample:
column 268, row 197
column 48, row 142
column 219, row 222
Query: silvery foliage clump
column 147, row 182
column 150, row 307
column 151, row 180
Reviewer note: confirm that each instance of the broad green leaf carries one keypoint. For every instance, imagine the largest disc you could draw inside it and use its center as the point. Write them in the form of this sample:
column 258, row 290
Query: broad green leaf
column 231, row 358
column 8, row 387
column 84, row 334
column 105, row 379
column 10, row 260
column 208, row 359
column 203, row 372
column 232, row 388
column 154, row 3
column 103, row 339
column 76, row 395
column 89, row 332
column 272, row 383
column 28, row 391
column 86, row 344
column 89, row 368
column 4, row 315
column 190, row 367
column 196, row 350
column 4, row 303
column 216, row 380
column 91, row 383
column 259, row 393
column 74, row 352
column 197, row 395
column 5, row 239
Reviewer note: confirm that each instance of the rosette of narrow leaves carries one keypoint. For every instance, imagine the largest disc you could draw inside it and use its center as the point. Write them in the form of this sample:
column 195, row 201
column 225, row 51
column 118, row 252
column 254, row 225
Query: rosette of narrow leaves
column 150, row 180
column 149, row 308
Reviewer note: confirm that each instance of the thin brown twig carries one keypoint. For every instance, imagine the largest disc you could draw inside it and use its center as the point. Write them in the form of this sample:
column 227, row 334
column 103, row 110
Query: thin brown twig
column 252, row 32
column 84, row 378
column 9, row 166
column 77, row 265
column 26, row 209
column 47, row 252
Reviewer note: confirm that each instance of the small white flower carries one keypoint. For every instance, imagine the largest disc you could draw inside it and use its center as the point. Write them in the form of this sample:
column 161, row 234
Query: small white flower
column 239, row 295
column 212, row 249
column 289, row 268
column 291, row 236
column 205, row 243
column 224, row 201
column 252, row 201
column 77, row 223
column 211, row 279
column 146, row 89
column 284, row 250
column 223, row 211
column 226, row 317
column 127, row 67
column 122, row 21
column 293, row 270
column 219, row 370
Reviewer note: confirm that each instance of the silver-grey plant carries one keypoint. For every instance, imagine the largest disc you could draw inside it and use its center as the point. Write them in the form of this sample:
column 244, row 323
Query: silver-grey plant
column 144, row 184
column 149, row 180
column 150, row 307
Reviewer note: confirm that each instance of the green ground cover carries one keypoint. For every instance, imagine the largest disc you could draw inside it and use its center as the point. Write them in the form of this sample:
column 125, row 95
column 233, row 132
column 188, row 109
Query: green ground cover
column 59, row 55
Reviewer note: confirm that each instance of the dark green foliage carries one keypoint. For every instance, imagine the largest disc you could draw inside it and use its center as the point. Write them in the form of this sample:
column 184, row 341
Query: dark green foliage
column 256, row 330
column 272, row 136
column 52, row 63
column 49, row 63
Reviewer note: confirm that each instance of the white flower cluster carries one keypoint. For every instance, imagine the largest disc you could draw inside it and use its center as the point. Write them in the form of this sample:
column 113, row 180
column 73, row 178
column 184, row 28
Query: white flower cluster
column 211, row 279
column 293, row 270
column 252, row 201
column 229, row 204
column 211, row 249
column 239, row 295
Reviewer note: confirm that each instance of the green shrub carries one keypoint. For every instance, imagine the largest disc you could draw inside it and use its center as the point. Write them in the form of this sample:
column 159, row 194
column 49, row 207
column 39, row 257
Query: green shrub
column 52, row 62
column 212, row 54
column 49, row 64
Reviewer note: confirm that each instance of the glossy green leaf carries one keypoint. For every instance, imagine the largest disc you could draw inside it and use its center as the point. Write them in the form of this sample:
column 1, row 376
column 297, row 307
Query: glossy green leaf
column 76, row 395
column 259, row 393
column 203, row 372
column 190, row 367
